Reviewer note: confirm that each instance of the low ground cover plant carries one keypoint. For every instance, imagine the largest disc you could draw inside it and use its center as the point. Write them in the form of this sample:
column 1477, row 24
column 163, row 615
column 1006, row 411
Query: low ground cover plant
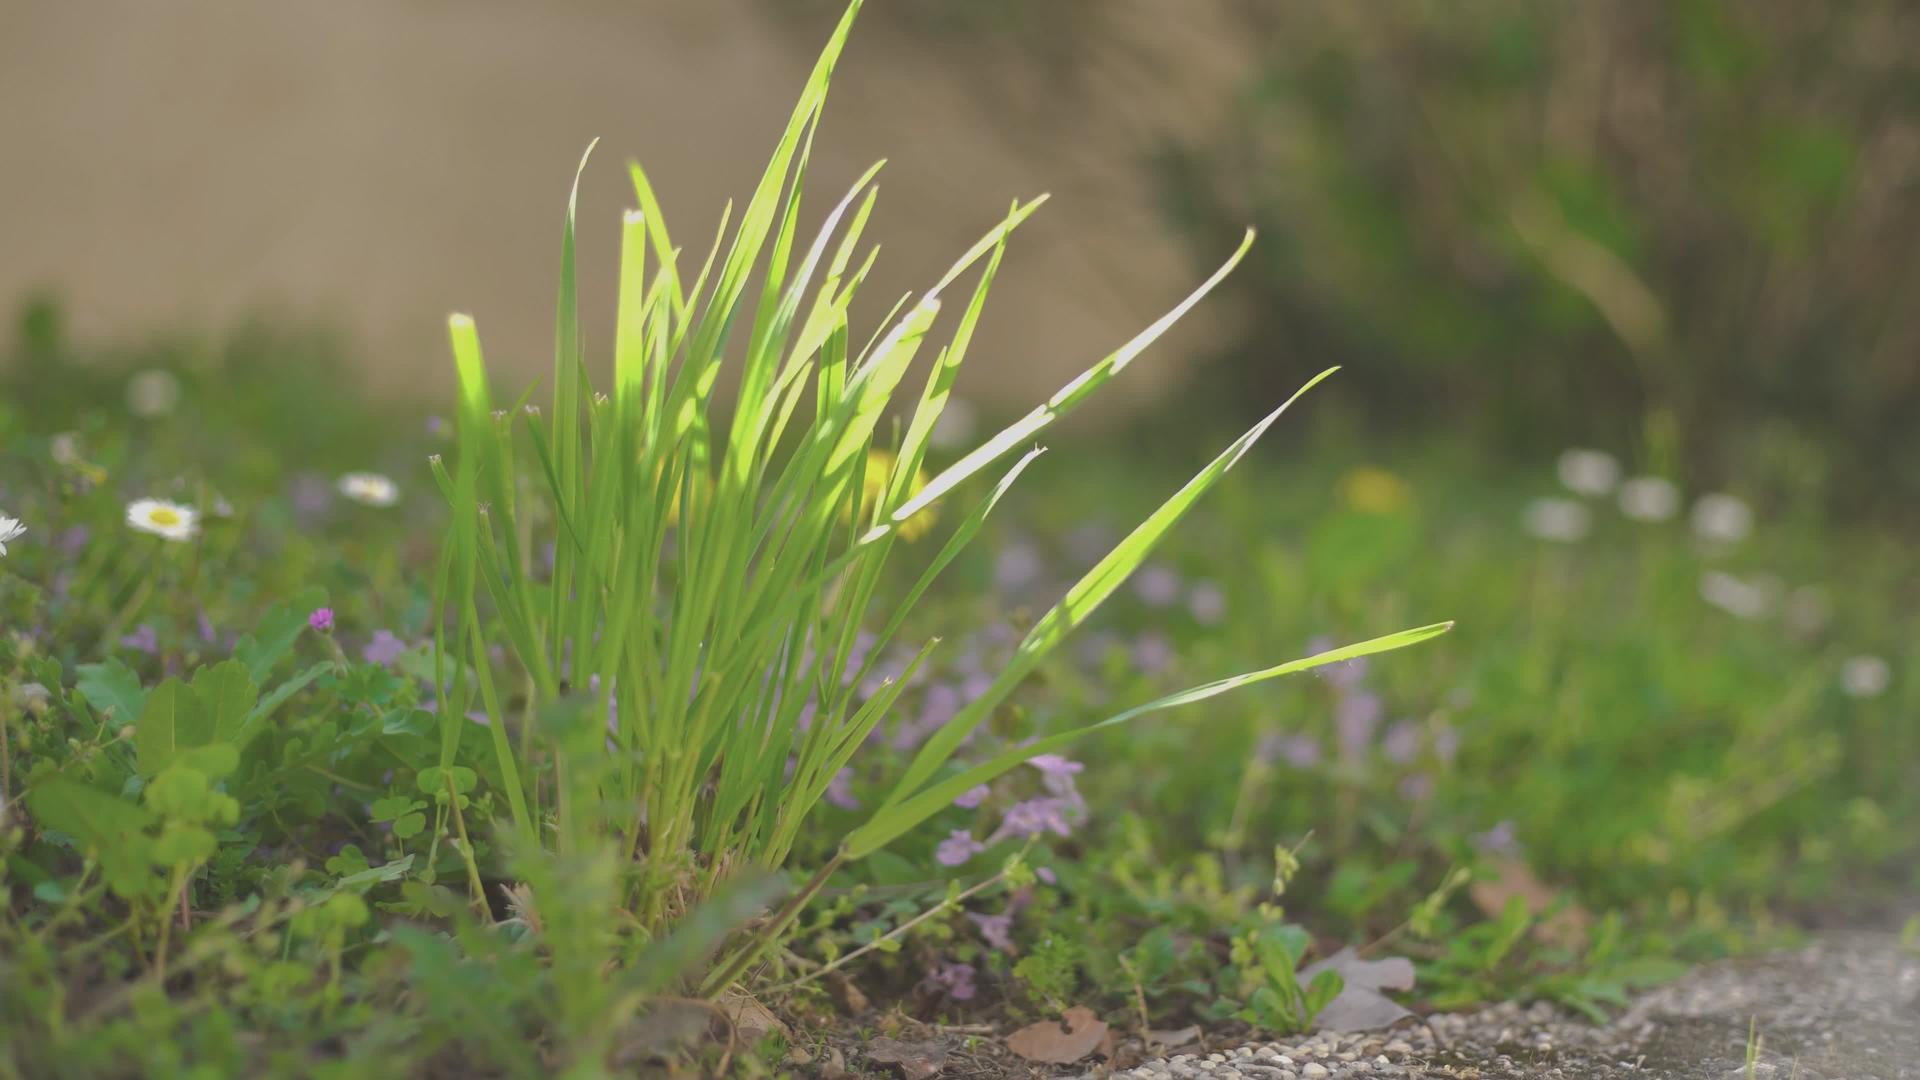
column 319, row 759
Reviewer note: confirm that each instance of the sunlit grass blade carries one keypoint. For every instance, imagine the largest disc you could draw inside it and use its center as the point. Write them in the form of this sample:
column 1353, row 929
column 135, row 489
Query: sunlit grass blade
column 893, row 821
column 1081, row 600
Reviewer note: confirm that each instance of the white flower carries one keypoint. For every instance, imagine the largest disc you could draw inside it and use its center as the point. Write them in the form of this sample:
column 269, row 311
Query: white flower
column 163, row 519
column 1746, row 599
column 1557, row 519
column 954, row 427
column 1722, row 519
column 10, row 529
column 1649, row 498
column 369, row 489
column 1589, row 472
column 153, row 393
column 65, row 448
column 1865, row 676
column 32, row 697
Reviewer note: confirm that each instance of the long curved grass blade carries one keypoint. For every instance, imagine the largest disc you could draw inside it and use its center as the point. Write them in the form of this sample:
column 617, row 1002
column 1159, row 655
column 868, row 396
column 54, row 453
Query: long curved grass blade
column 891, row 822
column 1081, row 600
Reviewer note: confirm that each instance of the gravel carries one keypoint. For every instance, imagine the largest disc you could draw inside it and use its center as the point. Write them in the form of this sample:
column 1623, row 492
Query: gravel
column 1844, row 1008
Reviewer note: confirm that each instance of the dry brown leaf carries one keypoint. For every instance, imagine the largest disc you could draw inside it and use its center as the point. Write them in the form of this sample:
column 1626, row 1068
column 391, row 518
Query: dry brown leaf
column 751, row 1020
column 916, row 1060
column 850, row 996
column 1360, row 1005
column 1566, row 928
column 667, row 1029
column 1051, row 1042
column 1173, row 1037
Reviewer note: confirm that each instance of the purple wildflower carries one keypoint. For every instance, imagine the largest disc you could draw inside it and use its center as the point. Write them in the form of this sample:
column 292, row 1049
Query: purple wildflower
column 1502, row 839
column 143, row 639
column 1046, row 874
column 1356, row 717
column 1346, row 675
column 312, row 495
column 384, row 649
column 72, row 541
column 1299, row 751
column 973, row 796
column 207, row 633
column 1058, row 770
column 840, row 790
column 1152, row 652
column 321, row 620
column 1207, row 603
column 1401, row 744
column 957, row 848
column 1446, row 744
column 1157, row 585
column 1416, row 787
column 976, row 685
column 955, row 979
column 1041, row 815
column 996, row 929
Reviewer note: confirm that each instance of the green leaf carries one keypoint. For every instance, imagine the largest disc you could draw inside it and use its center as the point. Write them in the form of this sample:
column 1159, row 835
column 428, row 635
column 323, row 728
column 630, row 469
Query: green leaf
column 226, row 696
column 392, row 871
column 285, row 690
column 108, row 828
column 409, row 825
column 113, row 687
column 392, row 807
column 279, row 628
column 183, row 844
column 156, row 739
column 213, row 760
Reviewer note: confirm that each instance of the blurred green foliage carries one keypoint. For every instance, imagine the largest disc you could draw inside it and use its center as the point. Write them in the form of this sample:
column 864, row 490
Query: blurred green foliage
column 1683, row 228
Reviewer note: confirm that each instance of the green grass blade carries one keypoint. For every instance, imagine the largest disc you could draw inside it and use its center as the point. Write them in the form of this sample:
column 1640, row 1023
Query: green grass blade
column 1082, row 600
column 893, row 821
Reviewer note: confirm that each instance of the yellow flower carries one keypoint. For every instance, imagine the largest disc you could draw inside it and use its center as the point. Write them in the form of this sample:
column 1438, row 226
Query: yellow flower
column 873, row 488
column 1373, row 490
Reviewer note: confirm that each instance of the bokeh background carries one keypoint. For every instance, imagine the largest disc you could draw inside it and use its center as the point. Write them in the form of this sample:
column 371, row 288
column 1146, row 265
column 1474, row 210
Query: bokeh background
column 1685, row 231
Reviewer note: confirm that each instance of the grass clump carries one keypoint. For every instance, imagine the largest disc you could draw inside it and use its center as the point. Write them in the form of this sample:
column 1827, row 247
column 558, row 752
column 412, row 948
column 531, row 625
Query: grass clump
column 713, row 573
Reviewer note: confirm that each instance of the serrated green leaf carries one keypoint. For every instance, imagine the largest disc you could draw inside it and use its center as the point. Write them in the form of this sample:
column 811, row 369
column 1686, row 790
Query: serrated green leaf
column 226, row 696
column 113, row 686
column 156, row 738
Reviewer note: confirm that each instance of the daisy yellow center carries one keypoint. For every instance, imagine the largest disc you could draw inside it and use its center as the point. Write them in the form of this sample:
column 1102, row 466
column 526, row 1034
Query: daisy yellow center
column 164, row 516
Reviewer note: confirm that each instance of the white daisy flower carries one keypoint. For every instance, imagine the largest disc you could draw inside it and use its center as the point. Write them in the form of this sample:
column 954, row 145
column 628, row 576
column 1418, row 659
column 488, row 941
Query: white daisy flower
column 153, row 393
column 1865, row 676
column 10, row 529
column 65, row 448
column 1589, row 472
column 1649, row 498
column 1722, row 519
column 164, row 519
column 1558, row 519
column 1744, row 599
column 369, row 489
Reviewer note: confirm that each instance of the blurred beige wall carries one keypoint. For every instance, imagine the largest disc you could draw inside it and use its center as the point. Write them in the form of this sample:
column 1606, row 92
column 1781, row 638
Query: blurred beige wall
column 175, row 164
